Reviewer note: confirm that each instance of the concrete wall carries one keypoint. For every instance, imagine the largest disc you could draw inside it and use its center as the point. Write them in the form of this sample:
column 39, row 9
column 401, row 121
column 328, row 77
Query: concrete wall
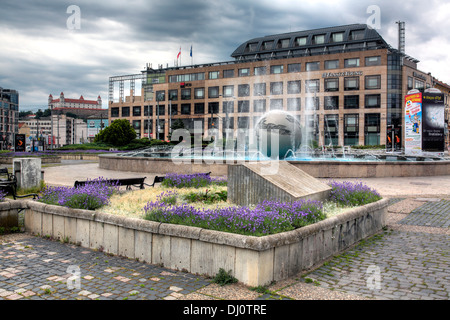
column 317, row 169
column 253, row 260
column 9, row 213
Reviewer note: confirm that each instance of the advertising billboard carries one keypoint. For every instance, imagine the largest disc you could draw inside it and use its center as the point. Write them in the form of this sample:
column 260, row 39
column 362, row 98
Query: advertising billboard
column 433, row 126
column 19, row 143
column 413, row 124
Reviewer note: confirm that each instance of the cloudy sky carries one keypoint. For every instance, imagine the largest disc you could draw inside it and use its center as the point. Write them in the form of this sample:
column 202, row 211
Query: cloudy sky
column 46, row 49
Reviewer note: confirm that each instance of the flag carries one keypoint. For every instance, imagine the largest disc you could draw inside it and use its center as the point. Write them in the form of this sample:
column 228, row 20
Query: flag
column 191, row 52
column 179, row 54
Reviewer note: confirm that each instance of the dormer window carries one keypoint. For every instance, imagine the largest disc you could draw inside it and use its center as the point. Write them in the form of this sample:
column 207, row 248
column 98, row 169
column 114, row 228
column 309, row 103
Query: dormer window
column 319, row 39
column 337, row 37
column 356, row 35
column 251, row 47
column 300, row 41
column 267, row 45
column 284, row 43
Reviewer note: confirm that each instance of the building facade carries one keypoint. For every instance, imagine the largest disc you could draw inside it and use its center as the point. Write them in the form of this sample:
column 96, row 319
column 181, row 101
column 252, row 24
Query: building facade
column 63, row 102
column 344, row 84
column 9, row 117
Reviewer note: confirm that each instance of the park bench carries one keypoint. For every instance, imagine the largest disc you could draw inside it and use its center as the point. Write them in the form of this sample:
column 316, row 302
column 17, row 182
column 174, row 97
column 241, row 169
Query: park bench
column 8, row 183
column 128, row 182
column 159, row 179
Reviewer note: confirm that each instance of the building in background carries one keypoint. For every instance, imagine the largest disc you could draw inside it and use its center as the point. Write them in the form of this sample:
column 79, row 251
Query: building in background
column 94, row 125
column 63, row 102
column 344, row 84
column 9, row 117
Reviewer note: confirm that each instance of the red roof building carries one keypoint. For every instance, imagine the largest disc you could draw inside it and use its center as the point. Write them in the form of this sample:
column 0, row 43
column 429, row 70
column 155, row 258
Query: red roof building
column 63, row 102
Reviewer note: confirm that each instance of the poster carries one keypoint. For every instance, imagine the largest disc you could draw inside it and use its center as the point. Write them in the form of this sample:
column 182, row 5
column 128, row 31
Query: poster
column 433, row 136
column 19, row 143
column 413, row 124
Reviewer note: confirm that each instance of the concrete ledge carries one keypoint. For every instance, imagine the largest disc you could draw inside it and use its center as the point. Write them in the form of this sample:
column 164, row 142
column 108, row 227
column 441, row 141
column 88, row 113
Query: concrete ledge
column 253, row 260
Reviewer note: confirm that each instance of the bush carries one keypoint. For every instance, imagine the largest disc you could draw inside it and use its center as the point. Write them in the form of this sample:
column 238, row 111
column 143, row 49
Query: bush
column 119, row 133
column 223, row 278
column 352, row 194
column 196, row 180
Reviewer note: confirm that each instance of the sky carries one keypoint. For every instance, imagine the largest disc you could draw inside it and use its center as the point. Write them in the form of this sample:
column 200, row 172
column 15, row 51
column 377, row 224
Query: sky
column 74, row 46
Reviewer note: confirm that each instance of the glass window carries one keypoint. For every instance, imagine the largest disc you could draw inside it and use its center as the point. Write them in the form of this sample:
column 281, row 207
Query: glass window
column 312, row 66
column 331, row 129
column 331, row 84
column 114, row 112
column 186, row 108
column 356, row 35
column 300, row 41
column 293, row 104
column 351, row 102
column 199, row 93
column 373, row 61
column 337, row 37
column 228, row 73
column 160, row 95
column 251, row 47
column 373, row 101
column 331, row 103
column 372, row 129
column 259, row 106
column 243, row 90
column 276, row 69
column 185, row 94
column 312, row 103
column 276, row 104
column 228, row 91
column 125, row 111
column 173, row 95
column 259, row 89
column 137, row 125
column 137, row 111
column 420, row 85
column 161, row 110
column 351, row 129
column 283, row 43
column 174, row 109
column 213, row 107
column 276, row 88
column 213, row 92
column 243, row 106
column 199, row 108
column 312, row 85
column 267, row 45
column 243, row 122
column 351, row 63
column 244, row 72
column 410, row 83
column 294, row 87
column 351, row 83
column 148, row 111
column 260, row 71
column 228, row 107
column 372, row 82
column 213, row 75
column 332, row 64
column 319, row 39
column 294, row 67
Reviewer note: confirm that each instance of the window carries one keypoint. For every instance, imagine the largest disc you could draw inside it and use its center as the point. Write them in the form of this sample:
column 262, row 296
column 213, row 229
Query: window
column 372, row 101
column 276, row 104
column 372, row 82
column 259, row 106
column 300, row 41
column 331, row 84
column 332, row 64
column 337, row 37
column 267, row 45
column 319, row 39
column 243, row 90
column 351, row 63
column 410, row 83
column 148, row 111
column 351, row 102
column 276, row 69
column 331, row 103
column 373, row 61
column 243, row 122
column 312, row 66
column 283, row 43
column 419, row 85
column 243, row 106
column 199, row 108
column 213, row 107
column 186, row 108
column 228, row 91
column 351, row 129
column 372, row 129
column 331, row 129
column 356, row 35
column 228, row 73
column 351, row 83
column 199, row 93
column 276, row 88
column 137, row 125
column 161, row 110
column 312, row 85
column 251, row 47
column 137, row 111
column 173, row 95
column 294, row 67
column 312, row 103
column 125, row 111
column 213, row 75
column 228, row 107
column 244, row 72
column 213, row 92
column 160, row 95
column 294, row 87
column 259, row 89
column 260, row 71
column 187, row 77
column 185, row 94
column 174, row 109
column 293, row 104
column 114, row 112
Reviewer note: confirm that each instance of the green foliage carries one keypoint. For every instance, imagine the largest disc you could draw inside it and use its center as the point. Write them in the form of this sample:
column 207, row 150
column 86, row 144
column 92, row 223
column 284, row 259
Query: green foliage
column 206, row 197
column 119, row 133
column 223, row 278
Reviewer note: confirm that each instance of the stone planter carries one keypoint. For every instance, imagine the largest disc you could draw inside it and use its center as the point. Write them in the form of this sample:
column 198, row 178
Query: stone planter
column 44, row 160
column 253, row 260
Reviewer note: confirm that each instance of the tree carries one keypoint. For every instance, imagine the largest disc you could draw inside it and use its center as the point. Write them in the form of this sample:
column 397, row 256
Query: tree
column 177, row 124
column 119, row 133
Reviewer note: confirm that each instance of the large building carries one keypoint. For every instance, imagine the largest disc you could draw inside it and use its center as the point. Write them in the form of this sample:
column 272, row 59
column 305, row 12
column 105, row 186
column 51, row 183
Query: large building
column 63, row 102
column 345, row 84
column 9, row 117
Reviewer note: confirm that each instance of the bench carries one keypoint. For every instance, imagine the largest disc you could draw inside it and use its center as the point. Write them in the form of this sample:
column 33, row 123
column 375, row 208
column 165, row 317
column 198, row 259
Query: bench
column 128, row 182
column 8, row 183
column 159, row 179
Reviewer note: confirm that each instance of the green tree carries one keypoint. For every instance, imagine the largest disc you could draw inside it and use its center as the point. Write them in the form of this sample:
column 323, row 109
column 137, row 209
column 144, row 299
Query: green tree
column 177, row 124
column 119, row 133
